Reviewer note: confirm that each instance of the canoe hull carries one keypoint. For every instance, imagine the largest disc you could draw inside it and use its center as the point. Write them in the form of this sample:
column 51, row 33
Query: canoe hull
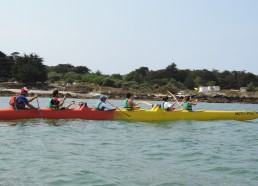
column 155, row 114
column 202, row 115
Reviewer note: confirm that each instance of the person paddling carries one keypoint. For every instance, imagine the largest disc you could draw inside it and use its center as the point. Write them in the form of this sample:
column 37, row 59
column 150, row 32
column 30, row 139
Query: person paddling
column 21, row 100
column 129, row 103
column 187, row 103
column 101, row 104
column 166, row 105
column 55, row 104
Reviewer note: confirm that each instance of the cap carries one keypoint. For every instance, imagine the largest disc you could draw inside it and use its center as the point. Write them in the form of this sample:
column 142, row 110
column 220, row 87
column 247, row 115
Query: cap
column 103, row 97
column 24, row 89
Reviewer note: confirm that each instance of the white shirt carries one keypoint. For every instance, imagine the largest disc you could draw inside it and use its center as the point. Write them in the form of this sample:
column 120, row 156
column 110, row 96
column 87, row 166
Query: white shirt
column 103, row 105
column 167, row 105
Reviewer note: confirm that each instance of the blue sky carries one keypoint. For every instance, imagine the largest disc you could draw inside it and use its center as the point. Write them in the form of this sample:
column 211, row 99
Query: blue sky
column 118, row 36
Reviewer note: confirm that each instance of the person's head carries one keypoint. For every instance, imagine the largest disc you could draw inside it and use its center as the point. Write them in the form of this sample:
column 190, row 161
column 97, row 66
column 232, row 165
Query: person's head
column 165, row 98
column 24, row 90
column 128, row 95
column 187, row 98
column 55, row 93
column 103, row 98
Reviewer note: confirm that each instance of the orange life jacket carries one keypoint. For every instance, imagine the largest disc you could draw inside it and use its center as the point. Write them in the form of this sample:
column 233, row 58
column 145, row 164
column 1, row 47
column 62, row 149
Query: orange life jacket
column 14, row 103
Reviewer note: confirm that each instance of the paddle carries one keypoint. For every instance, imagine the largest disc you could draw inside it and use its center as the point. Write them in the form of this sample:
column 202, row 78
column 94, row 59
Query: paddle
column 39, row 107
column 175, row 99
column 15, row 108
column 38, row 104
column 118, row 109
column 144, row 102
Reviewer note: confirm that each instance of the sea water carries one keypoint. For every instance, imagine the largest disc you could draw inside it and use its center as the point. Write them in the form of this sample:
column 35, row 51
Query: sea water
column 112, row 153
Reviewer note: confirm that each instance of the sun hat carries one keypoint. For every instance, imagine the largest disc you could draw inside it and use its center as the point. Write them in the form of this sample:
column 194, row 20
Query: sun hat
column 24, row 89
column 103, row 97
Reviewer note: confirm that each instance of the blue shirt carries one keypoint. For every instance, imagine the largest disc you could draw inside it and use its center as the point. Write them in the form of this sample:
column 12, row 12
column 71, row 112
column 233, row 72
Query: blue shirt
column 22, row 100
column 100, row 105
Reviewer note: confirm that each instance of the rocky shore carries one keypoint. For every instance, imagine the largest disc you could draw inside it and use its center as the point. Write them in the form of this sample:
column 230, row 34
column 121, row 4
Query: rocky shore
column 228, row 99
column 208, row 98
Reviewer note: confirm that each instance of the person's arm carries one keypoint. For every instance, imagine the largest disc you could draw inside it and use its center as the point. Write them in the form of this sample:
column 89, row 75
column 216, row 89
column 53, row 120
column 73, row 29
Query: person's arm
column 62, row 101
column 172, row 108
column 134, row 105
column 26, row 102
column 180, row 105
column 194, row 102
column 31, row 99
column 31, row 106
column 67, row 106
column 106, row 107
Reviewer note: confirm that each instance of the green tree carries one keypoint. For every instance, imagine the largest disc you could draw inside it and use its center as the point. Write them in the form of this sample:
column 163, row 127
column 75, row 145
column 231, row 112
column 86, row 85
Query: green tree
column 250, row 87
column 189, row 81
column 81, row 70
column 205, row 76
column 29, row 69
column 54, row 76
column 211, row 83
column 98, row 73
column 108, row 82
column 71, row 77
column 137, row 75
column 198, row 81
column 117, row 76
column 171, row 71
column 6, row 65
column 168, row 87
column 181, row 75
column 157, row 77
column 63, row 68
column 224, row 79
column 98, row 80
column 2, row 55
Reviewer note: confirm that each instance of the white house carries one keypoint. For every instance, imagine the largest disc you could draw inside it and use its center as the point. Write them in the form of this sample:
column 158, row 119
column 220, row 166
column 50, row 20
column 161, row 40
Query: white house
column 213, row 88
column 209, row 89
column 203, row 89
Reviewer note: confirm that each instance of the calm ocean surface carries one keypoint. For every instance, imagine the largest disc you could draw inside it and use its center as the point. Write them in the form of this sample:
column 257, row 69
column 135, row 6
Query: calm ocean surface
column 106, row 153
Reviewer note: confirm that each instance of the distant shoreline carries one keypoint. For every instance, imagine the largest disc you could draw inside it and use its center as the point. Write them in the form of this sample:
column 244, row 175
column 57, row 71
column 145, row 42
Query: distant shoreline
column 208, row 98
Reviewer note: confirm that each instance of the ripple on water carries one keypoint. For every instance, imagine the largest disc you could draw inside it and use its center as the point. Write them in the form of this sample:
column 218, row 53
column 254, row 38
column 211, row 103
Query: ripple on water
column 79, row 152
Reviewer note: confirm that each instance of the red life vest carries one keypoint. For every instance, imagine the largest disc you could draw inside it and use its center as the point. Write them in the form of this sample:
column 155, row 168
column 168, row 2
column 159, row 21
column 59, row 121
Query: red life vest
column 13, row 102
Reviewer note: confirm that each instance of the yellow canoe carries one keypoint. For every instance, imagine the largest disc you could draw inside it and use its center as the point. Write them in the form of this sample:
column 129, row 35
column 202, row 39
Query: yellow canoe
column 158, row 114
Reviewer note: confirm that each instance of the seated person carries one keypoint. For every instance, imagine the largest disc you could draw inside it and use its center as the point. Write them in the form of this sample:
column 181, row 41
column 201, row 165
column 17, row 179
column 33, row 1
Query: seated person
column 101, row 104
column 166, row 105
column 129, row 103
column 55, row 104
column 21, row 101
column 187, row 103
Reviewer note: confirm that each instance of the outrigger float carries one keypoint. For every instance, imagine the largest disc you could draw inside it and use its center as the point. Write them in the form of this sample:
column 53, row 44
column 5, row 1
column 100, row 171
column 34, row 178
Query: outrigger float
column 155, row 114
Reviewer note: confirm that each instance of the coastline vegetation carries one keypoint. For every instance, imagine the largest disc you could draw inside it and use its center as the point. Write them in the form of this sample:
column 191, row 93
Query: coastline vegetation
column 31, row 71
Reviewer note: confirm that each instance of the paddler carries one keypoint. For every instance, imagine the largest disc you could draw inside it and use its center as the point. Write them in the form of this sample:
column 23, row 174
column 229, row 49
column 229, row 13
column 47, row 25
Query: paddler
column 129, row 103
column 101, row 104
column 21, row 101
column 187, row 103
column 55, row 104
column 166, row 105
